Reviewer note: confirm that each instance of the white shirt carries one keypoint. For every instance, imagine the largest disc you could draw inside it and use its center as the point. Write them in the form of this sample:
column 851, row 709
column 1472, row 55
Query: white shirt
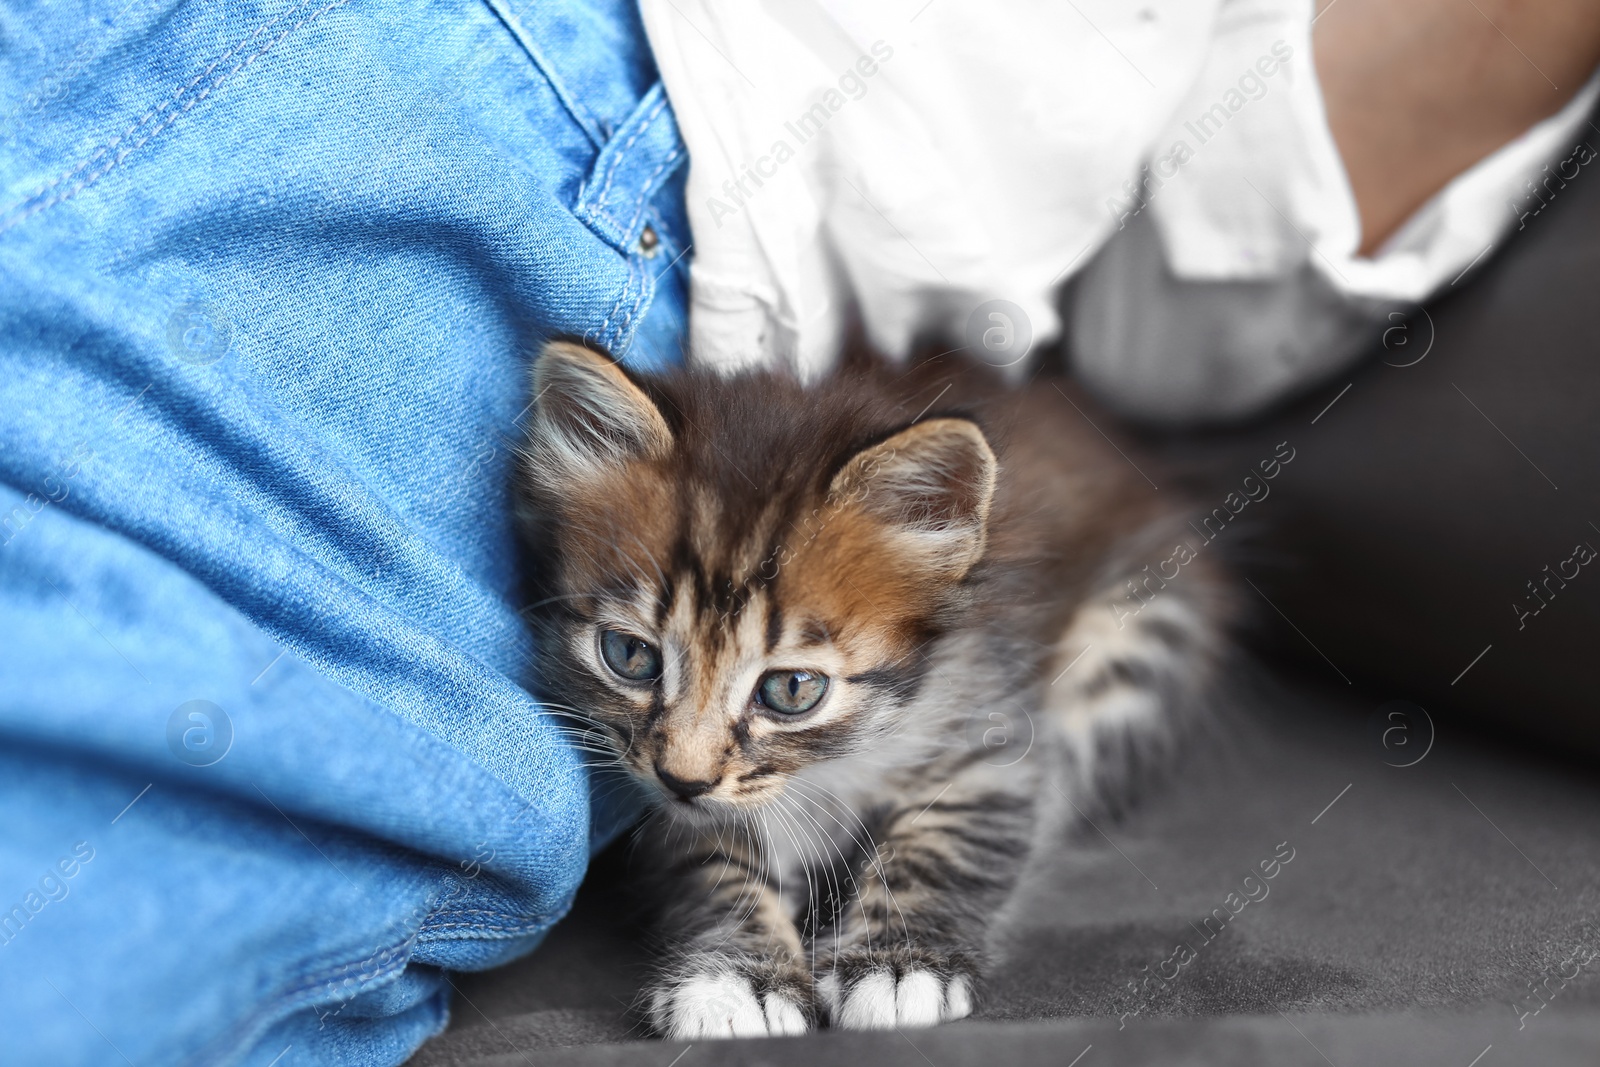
column 918, row 160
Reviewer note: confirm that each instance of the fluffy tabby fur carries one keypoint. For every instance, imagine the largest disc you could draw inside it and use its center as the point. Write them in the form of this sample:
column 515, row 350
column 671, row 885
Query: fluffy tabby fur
column 953, row 555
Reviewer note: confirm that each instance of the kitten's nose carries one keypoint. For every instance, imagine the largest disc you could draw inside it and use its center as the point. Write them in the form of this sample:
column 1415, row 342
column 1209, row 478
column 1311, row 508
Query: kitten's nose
column 686, row 789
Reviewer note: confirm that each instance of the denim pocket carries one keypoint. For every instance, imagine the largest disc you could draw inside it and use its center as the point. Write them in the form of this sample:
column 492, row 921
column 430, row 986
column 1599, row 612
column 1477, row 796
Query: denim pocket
column 641, row 156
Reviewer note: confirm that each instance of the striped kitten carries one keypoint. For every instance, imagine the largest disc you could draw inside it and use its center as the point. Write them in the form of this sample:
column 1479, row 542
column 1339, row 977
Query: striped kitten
column 855, row 637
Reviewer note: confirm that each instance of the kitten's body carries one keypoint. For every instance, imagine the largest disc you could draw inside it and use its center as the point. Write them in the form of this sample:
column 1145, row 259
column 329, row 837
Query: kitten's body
column 963, row 592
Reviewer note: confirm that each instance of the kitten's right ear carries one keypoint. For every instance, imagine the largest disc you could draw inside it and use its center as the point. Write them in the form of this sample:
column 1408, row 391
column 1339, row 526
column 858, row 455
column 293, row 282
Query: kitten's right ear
column 589, row 417
column 932, row 485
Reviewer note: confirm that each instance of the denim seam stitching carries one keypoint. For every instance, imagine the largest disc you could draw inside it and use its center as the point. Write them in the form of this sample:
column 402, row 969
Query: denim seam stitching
column 644, row 190
column 621, row 154
column 625, row 330
column 294, row 996
column 605, row 326
column 516, row 929
column 585, row 121
column 341, row 975
column 643, row 294
column 163, row 106
column 494, row 913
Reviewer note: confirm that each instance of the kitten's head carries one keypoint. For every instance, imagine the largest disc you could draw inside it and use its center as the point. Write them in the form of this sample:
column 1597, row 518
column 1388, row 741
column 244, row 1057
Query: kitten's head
column 738, row 577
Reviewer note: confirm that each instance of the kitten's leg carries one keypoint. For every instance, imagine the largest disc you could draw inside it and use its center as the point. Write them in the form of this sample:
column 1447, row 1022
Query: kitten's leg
column 909, row 949
column 1132, row 676
column 736, row 967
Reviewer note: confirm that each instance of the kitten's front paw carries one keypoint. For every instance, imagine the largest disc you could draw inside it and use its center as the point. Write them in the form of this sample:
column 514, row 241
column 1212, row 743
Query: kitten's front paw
column 715, row 994
column 880, row 989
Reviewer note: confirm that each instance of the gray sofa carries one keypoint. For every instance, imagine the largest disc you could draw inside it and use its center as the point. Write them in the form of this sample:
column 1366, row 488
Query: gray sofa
column 1428, row 912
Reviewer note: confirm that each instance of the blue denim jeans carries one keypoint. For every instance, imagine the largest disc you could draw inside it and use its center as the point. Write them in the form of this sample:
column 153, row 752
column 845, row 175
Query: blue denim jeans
column 272, row 273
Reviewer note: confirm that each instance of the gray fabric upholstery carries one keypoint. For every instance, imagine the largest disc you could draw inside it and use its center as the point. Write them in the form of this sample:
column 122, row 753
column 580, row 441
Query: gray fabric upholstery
column 1417, row 909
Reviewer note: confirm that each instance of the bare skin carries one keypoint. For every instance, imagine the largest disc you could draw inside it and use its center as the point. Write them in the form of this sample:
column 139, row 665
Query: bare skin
column 1419, row 90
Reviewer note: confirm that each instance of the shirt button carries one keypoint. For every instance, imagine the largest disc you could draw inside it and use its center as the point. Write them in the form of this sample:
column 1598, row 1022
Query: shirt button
column 649, row 243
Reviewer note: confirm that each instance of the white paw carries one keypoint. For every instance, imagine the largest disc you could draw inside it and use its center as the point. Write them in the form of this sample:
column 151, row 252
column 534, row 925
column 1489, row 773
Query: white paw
column 723, row 1003
column 881, row 995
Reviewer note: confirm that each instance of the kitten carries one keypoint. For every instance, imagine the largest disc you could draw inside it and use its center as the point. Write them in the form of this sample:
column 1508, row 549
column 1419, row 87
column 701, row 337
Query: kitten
column 856, row 638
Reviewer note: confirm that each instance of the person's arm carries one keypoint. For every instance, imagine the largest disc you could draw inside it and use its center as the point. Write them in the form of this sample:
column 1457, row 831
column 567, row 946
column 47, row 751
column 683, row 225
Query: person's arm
column 1417, row 92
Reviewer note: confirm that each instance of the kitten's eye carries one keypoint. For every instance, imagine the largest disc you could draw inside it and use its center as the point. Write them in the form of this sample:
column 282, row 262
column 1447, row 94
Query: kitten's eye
column 791, row 692
column 631, row 657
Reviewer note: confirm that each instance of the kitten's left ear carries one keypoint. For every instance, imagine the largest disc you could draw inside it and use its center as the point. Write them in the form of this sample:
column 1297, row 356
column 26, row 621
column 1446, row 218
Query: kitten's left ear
column 932, row 484
column 589, row 416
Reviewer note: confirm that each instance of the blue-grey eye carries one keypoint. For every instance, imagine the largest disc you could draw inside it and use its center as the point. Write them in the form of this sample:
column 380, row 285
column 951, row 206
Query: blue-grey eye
column 791, row 692
column 631, row 657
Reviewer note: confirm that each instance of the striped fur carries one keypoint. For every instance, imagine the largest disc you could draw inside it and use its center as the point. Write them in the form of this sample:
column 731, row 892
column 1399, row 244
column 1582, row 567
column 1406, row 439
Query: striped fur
column 949, row 553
